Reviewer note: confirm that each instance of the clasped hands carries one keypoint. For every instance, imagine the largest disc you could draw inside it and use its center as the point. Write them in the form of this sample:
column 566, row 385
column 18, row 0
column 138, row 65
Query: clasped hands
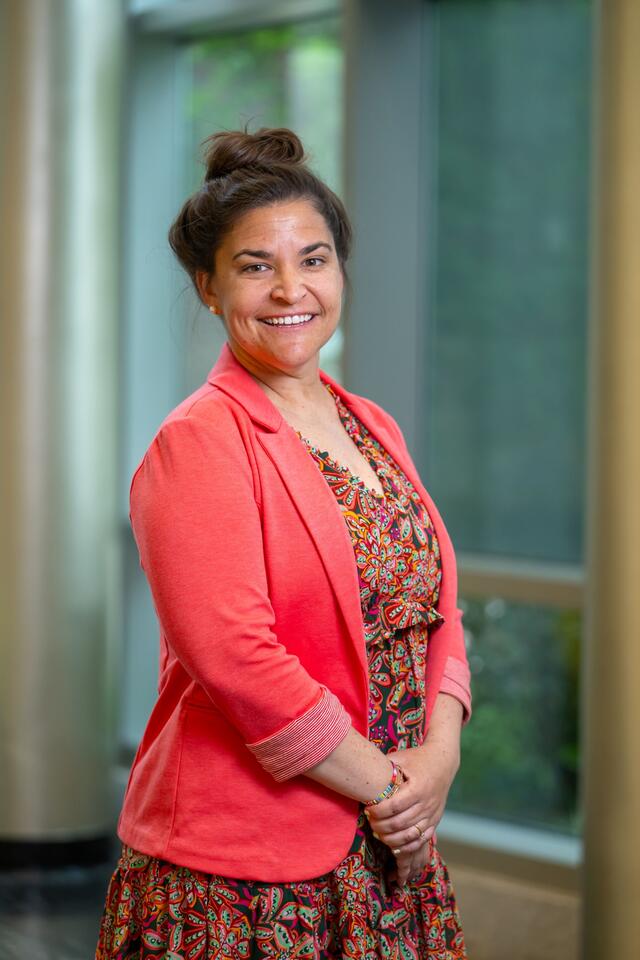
column 407, row 821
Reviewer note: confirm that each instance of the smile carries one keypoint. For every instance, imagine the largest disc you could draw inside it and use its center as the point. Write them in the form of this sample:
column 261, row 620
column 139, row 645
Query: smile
column 294, row 320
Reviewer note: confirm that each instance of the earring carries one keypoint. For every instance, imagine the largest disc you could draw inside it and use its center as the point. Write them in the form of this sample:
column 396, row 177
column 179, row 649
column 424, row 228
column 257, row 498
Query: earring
column 213, row 309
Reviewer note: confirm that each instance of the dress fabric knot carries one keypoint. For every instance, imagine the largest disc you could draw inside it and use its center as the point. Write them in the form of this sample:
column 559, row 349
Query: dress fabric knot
column 399, row 612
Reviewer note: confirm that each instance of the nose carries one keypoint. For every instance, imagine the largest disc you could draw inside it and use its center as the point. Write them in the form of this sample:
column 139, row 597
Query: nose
column 288, row 285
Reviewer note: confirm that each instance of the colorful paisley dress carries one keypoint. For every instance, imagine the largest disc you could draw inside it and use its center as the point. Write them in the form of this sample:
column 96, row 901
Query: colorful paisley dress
column 156, row 909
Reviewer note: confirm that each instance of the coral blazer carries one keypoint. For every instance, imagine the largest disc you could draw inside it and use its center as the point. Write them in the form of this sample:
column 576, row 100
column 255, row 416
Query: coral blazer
column 255, row 586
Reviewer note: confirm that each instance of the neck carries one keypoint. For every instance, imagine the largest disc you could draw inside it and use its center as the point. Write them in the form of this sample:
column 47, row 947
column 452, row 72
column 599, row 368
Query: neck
column 298, row 391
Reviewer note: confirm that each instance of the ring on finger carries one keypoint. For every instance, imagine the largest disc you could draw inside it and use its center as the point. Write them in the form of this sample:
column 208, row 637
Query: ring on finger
column 421, row 833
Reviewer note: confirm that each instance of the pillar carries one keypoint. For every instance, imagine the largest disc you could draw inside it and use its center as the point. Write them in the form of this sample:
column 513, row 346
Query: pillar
column 60, row 94
column 611, row 923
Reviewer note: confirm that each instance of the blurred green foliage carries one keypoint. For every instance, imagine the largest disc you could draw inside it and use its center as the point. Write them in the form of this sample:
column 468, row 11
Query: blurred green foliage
column 289, row 76
column 520, row 758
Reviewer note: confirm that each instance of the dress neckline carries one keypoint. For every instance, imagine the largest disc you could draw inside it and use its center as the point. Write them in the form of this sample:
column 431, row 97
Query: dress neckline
column 324, row 455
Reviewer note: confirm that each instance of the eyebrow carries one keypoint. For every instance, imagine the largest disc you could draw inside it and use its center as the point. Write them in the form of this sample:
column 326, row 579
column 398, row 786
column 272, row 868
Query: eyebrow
column 265, row 255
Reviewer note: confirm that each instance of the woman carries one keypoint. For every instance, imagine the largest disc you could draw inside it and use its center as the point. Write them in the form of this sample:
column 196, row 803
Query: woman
column 313, row 680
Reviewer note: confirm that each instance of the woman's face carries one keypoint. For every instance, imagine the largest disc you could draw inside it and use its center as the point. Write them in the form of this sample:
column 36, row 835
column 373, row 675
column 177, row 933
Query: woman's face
column 277, row 264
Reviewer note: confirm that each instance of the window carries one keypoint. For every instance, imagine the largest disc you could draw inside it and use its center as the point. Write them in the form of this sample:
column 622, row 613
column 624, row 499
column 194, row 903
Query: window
column 520, row 750
column 505, row 384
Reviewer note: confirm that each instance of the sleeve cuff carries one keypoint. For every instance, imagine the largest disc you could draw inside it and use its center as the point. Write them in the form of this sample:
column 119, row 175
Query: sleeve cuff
column 456, row 682
column 306, row 740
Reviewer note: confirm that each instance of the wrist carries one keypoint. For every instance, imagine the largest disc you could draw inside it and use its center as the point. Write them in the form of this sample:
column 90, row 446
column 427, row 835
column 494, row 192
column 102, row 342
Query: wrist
column 396, row 780
column 446, row 751
column 445, row 732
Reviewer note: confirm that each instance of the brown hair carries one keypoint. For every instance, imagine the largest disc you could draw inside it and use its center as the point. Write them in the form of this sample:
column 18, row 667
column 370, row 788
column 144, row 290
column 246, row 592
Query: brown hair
column 244, row 171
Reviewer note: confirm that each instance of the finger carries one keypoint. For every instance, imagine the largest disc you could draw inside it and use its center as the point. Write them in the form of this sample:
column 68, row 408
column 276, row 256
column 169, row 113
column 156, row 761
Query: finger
column 415, row 807
column 418, row 866
column 406, row 839
column 400, row 869
column 418, row 871
column 410, row 849
column 409, row 866
column 400, row 821
column 395, row 805
column 398, row 802
column 405, row 848
column 413, row 838
column 401, row 832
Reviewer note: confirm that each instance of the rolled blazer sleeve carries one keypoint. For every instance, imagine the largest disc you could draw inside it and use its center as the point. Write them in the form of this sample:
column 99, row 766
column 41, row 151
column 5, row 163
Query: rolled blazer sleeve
column 196, row 522
column 456, row 681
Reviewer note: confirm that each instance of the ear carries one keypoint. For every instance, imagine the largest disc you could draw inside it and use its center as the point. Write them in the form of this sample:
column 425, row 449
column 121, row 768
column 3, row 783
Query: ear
column 206, row 289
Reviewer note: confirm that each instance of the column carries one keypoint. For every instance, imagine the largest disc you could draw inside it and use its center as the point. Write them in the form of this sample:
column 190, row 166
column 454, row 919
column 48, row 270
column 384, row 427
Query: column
column 60, row 95
column 611, row 922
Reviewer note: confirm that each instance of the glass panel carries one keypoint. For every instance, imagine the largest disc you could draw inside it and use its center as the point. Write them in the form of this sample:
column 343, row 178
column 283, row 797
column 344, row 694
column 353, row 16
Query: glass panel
column 520, row 751
column 508, row 274
column 289, row 76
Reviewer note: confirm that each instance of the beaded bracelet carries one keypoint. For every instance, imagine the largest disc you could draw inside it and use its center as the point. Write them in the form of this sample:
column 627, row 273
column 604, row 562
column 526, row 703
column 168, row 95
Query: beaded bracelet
column 397, row 778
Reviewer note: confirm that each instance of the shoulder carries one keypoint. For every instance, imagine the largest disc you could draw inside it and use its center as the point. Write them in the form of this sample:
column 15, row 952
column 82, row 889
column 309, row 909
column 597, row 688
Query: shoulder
column 208, row 412
column 206, row 426
column 207, row 406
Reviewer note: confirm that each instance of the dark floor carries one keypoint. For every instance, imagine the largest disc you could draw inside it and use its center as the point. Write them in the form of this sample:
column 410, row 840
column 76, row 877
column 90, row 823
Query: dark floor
column 52, row 914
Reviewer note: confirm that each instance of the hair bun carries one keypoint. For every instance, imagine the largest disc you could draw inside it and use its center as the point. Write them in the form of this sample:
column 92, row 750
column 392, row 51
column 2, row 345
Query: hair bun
column 232, row 150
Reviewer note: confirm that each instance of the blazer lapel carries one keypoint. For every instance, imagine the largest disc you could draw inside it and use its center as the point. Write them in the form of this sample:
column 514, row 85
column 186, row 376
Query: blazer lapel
column 322, row 517
column 307, row 488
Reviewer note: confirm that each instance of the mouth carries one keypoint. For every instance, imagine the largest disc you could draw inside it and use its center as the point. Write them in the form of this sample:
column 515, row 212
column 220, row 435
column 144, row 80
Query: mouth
column 290, row 320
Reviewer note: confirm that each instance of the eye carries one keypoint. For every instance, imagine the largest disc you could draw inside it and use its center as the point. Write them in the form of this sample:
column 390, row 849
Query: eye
column 314, row 261
column 254, row 268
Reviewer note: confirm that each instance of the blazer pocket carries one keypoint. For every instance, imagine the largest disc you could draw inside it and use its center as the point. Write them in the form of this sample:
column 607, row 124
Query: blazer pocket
column 217, row 782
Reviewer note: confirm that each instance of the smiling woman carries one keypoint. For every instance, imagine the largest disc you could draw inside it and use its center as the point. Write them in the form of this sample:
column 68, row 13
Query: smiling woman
column 286, row 792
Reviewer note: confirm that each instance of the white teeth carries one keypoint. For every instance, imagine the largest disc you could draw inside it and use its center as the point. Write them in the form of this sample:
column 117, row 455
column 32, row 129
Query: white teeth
column 287, row 321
